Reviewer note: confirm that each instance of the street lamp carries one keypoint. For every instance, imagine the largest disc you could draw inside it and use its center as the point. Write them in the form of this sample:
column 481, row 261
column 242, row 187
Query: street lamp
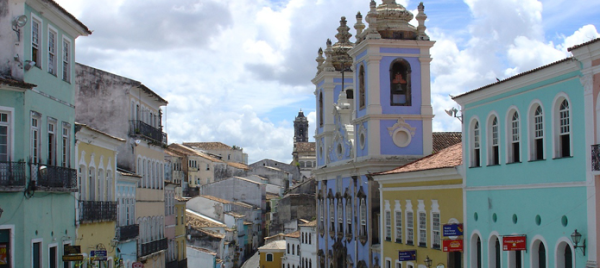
column 576, row 238
column 428, row 261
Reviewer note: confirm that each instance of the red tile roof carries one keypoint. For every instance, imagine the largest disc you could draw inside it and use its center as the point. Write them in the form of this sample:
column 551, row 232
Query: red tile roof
column 583, row 44
column 305, row 147
column 446, row 158
column 209, row 145
column 442, row 140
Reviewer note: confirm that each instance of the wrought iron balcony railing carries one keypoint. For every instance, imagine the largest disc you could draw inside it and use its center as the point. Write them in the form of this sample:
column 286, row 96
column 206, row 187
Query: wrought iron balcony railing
column 128, row 232
column 54, row 176
column 13, row 174
column 596, row 157
column 94, row 211
column 153, row 247
column 137, row 127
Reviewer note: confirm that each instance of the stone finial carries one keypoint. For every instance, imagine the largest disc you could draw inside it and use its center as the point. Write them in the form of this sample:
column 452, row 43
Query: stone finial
column 320, row 60
column 359, row 26
column 343, row 35
column 371, row 32
column 421, row 17
column 328, row 65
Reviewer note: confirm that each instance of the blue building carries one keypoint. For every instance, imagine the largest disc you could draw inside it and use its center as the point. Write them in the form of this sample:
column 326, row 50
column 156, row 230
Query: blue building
column 525, row 157
column 374, row 113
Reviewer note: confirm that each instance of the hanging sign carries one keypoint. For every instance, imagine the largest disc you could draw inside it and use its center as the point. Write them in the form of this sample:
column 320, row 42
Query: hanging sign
column 513, row 243
column 137, row 265
column 454, row 229
column 452, row 245
column 407, row 255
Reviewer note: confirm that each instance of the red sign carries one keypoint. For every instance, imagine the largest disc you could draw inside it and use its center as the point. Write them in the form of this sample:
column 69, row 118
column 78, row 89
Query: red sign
column 137, row 265
column 512, row 243
column 452, row 245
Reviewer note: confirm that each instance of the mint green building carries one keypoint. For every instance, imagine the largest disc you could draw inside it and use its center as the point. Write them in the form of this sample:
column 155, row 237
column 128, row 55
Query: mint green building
column 38, row 179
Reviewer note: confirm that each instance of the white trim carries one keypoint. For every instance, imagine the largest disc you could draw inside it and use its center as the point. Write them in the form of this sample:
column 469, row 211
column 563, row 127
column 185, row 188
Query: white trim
column 533, row 252
column 435, row 208
column 528, row 186
column 531, row 138
column 11, row 238
column 11, row 130
column 489, row 136
column 417, row 188
column 397, row 209
column 408, row 209
column 471, row 144
column 69, row 60
column 40, row 54
column 472, row 254
column 556, row 123
column 558, row 256
column 491, row 261
column 41, row 251
column 54, row 245
column 55, row 52
column 508, row 135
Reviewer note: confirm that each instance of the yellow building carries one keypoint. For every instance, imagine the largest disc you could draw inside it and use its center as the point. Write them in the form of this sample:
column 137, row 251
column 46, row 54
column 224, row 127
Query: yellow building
column 96, row 205
column 180, row 230
column 420, row 203
column 271, row 254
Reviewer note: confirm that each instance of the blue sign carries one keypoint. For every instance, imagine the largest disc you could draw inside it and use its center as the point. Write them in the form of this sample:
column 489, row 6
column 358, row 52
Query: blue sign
column 100, row 255
column 407, row 255
column 455, row 229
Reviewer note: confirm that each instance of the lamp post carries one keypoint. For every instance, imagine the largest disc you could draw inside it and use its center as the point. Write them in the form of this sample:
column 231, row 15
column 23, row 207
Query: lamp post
column 428, row 261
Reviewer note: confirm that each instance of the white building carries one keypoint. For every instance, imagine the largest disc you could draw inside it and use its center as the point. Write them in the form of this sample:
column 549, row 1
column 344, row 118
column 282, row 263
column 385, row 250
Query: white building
column 308, row 244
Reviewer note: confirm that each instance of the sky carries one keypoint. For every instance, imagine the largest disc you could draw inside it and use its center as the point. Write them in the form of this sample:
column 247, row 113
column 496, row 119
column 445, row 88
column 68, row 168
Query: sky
column 239, row 71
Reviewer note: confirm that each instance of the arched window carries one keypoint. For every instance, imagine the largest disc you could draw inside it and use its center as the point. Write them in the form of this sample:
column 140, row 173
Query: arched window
column 340, row 213
column 494, row 252
column 91, row 184
column 493, row 151
column 567, row 257
column 400, row 85
column 101, row 185
column 331, row 216
column 541, row 256
column 349, row 215
column 563, row 141
column 321, row 109
column 514, row 138
column 298, row 250
column 361, row 87
column 363, row 217
column 537, row 134
column 81, row 182
column 475, row 149
column 478, row 252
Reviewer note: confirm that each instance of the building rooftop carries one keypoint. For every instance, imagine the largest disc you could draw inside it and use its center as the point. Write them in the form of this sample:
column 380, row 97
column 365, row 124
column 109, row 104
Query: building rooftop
column 9, row 81
column 216, row 145
column 305, row 147
column 279, row 244
column 443, row 140
column 295, row 234
column 185, row 150
column 197, row 220
column 309, row 224
column 65, row 12
column 235, row 215
column 205, row 250
column 584, row 44
column 446, row 158
column 238, row 165
column 213, row 198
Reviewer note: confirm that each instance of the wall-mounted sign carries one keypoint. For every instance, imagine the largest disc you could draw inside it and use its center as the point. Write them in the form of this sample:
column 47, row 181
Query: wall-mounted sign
column 454, row 229
column 407, row 255
column 99, row 255
column 72, row 257
column 452, row 245
column 69, row 249
column 137, row 265
column 512, row 243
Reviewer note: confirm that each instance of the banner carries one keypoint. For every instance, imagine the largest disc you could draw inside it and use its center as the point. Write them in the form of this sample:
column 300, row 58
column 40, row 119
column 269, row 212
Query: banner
column 512, row 243
column 3, row 254
column 454, row 229
column 452, row 245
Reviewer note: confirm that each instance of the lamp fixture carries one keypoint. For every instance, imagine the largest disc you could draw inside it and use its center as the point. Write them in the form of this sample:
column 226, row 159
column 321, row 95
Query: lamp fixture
column 454, row 113
column 576, row 238
column 428, row 261
column 17, row 24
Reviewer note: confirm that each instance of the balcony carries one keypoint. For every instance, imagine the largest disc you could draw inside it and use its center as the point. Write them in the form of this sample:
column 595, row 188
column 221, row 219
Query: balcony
column 128, row 232
column 152, row 247
column 596, row 157
column 97, row 211
column 12, row 174
column 54, row 177
column 137, row 127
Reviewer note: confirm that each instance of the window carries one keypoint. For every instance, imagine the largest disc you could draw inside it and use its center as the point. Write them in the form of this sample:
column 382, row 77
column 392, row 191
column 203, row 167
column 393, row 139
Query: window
column 269, row 257
column 91, row 185
column 5, row 137
column 340, row 212
column 475, row 157
column 388, row 263
column 388, row 225
column 331, row 216
column 36, row 254
column 514, row 138
column 66, row 61
column 349, row 215
column 53, row 255
column 35, row 138
column 537, row 144
column 361, row 87
column 363, row 217
column 101, row 185
column 409, row 228
column 288, row 248
column 564, row 131
column 80, row 182
column 51, row 142
column 321, row 109
column 66, row 147
column 435, row 230
column 422, row 229
column 51, row 51
column 400, row 88
column 494, row 153
column 298, row 250
column 36, row 37
column 398, row 226
column 109, row 186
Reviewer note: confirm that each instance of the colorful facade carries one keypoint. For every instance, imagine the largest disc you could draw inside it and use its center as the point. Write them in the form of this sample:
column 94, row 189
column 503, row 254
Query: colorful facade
column 526, row 160
column 271, row 255
column 419, row 201
column 37, row 132
column 371, row 118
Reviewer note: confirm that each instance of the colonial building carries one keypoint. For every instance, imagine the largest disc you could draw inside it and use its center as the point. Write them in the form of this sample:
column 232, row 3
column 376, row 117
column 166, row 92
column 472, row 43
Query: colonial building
column 422, row 211
column 223, row 151
column 308, row 240
column 37, row 132
column 527, row 186
column 127, row 109
column 271, row 254
column 373, row 114
column 304, row 151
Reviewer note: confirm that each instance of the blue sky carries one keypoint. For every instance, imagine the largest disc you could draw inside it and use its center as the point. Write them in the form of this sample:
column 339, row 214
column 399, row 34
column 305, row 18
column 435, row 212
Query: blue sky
column 238, row 71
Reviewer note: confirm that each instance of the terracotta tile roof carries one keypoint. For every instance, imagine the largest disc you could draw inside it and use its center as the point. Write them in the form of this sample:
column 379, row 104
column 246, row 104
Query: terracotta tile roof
column 235, row 215
column 172, row 152
column 583, row 44
column 238, row 165
column 511, row 78
column 216, row 145
column 98, row 131
column 295, row 234
column 15, row 83
column 305, row 146
column 442, row 140
column 185, row 150
column 309, row 224
column 242, row 204
column 213, row 198
column 279, row 244
column 69, row 15
column 197, row 220
column 211, row 233
column 446, row 158
column 270, row 196
column 128, row 174
column 203, row 250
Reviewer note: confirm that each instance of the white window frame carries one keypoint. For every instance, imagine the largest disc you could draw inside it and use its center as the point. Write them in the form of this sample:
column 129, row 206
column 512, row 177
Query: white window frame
column 363, row 216
column 331, row 215
column 11, row 241
column 52, row 50
column 35, row 137
column 421, row 224
column 91, row 181
column 66, row 145
column 67, row 52
column 340, row 217
column 65, row 243
column 349, row 215
column 475, row 142
column 558, row 131
column 38, row 59
column 513, row 134
column 101, row 182
column 9, row 111
column 410, row 223
column 52, row 143
column 82, row 177
column 53, row 245
column 398, row 222
column 387, row 221
column 41, row 251
column 536, row 131
column 493, row 139
column 436, row 238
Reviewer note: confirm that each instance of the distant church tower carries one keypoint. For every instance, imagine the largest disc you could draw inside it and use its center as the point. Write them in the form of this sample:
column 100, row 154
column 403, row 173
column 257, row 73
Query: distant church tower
column 300, row 128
